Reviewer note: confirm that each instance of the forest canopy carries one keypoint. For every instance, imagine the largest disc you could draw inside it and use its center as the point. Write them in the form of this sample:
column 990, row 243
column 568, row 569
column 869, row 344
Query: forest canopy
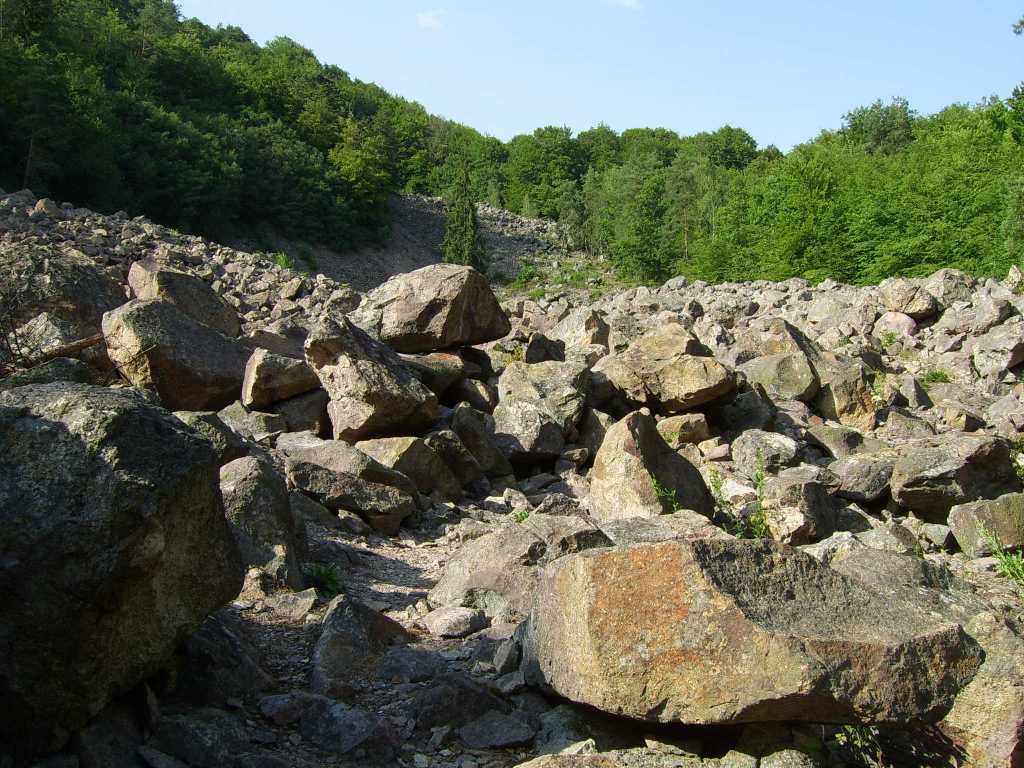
column 124, row 104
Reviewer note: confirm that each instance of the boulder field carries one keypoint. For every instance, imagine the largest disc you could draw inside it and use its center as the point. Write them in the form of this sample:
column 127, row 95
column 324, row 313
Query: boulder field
column 250, row 517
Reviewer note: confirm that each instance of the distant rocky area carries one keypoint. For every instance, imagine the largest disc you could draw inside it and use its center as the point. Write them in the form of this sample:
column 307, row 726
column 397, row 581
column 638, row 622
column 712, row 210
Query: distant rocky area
column 413, row 240
column 256, row 517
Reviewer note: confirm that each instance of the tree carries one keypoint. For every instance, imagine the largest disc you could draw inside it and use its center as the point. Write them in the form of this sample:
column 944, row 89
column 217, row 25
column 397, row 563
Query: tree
column 1013, row 223
column 881, row 128
column 462, row 243
column 1018, row 28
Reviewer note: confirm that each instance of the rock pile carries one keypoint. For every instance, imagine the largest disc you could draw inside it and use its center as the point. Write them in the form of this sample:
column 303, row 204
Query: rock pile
column 733, row 525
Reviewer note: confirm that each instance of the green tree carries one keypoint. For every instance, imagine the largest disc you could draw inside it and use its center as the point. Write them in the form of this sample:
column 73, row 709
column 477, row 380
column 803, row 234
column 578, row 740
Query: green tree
column 462, row 243
column 1013, row 222
column 882, row 128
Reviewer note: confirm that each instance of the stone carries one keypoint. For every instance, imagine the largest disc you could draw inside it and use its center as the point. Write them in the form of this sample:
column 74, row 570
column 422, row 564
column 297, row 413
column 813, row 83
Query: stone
column 785, row 376
column 293, row 606
column 336, row 727
column 898, row 294
column 978, row 524
column 416, row 460
column 736, row 631
column 205, row 738
column 496, row 730
column 667, row 370
column 683, row 524
column 455, row 455
column 352, row 640
column 999, row 350
column 256, row 426
column 438, row 371
column 158, row 348
column 896, row 324
column 846, row 397
column 118, row 537
column 497, row 573
column 756, row 452
column 437, row 307
column 863, row 477
column 271, row 378
column 580, row 328
column 454, row 621
column 636, row 474
column 684, row 429
column 937, row 474
column 259, row 512
column 539, row 409
column 305, row 413
column 372, row 392
column 50, row 372
column 228, row 443
column 191, row 296
column 476, row 430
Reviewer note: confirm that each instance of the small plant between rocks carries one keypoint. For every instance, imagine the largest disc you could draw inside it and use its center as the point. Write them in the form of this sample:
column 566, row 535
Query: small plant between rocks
column 325, row 579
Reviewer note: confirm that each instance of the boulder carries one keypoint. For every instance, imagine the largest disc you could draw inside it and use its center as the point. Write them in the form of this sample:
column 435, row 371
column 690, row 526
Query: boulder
column 340, row 476
column 50, row 372
column 898, row 294
column 684, row 429
column 438, row 371
column 476, row 430
column 978, row 525
column 636, row 474
column 668, row 370
column 846, row 396
column 192, row 297
column 372, row 393
column 271, row 378
column 756, row 452
column 999, row 350
column 738, row 631
column 497, row 573
column 539, row 409
column 416, row 460
column 785, row 376
column 228, row 443
column 932, row 476
column 258, row 509
column 352, row 640
column 580, row 328
column 190, row 366
column 115, row 549
column 456, row 456
column 863, row 477
column 436, row 307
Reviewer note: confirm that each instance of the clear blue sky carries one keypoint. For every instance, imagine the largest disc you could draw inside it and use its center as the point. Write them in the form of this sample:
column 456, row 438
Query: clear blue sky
column 782, row 70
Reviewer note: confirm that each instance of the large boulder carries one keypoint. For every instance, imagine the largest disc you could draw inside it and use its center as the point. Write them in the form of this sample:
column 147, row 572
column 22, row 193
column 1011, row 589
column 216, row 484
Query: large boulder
column 668, row 370
column 636, row 474
column 436, row 307
column 498, row 572
column 416, row 460
column 979, row 525
column 372, row 392
column 340, row 476
column 785, row 376
column 476, row 430
column 190, row 366
column 257, row 507
column 738, row 631
column 270, row 378
column 115, row 548
column 539, row 409
column 932, row 476
column 151, row 280
column 911, row 297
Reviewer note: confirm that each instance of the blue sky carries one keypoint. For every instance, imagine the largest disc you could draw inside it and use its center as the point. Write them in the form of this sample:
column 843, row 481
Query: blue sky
column 782, row 70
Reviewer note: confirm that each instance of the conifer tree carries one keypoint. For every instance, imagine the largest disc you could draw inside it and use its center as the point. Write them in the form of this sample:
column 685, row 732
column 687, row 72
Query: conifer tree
column 462, row 243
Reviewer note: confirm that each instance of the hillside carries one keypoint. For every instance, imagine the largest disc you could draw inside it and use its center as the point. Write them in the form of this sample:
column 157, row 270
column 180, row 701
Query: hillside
column 122, row 104
column 688, row 526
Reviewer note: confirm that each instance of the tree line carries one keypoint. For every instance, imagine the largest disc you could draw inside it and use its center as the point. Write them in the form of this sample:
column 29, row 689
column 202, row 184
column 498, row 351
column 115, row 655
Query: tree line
column 124, row 104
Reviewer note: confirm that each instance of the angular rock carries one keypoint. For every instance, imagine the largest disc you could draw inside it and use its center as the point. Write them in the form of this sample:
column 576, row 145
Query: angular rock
column 228, row 444
column 456, row 456
column 271, row 378
column 497, row 573
column 436, row 307
column 978, row 524
column 353, row 638
column 899, row 294
column 438, row 371
column 786, row 376
column 191, row 296
column 305, row 413
column 636, row 474
column 846, row 396
column 667, row 370
column 50, row 372
column 685, row 429
column 935, row 475
column 158, row 348
column 454, row 621
column 539, row 409
column 115, row 548
column 476, row 430
column 372, row 393
column 496, row 730
column 416, row 460
column 756, row 451
column 738, row 631
column 863, row 477
column 259, row 512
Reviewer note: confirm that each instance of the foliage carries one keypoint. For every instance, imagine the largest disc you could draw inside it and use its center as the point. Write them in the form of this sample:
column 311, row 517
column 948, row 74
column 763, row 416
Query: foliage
column 520, row 515
column 1008, row 564
column 284, row 261
column 324, row 578
column 462, row 243
column 665, row 495
column 862, row 745
column 935, row 376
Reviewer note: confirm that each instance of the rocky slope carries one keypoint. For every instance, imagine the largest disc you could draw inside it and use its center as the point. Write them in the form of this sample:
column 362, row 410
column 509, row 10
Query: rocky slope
column 252, row 517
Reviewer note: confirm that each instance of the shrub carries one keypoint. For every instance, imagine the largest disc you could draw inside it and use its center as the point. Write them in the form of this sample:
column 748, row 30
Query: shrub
column 324, row 579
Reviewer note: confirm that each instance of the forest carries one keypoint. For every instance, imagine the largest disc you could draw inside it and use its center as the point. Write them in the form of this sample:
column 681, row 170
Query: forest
column 123, row 104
